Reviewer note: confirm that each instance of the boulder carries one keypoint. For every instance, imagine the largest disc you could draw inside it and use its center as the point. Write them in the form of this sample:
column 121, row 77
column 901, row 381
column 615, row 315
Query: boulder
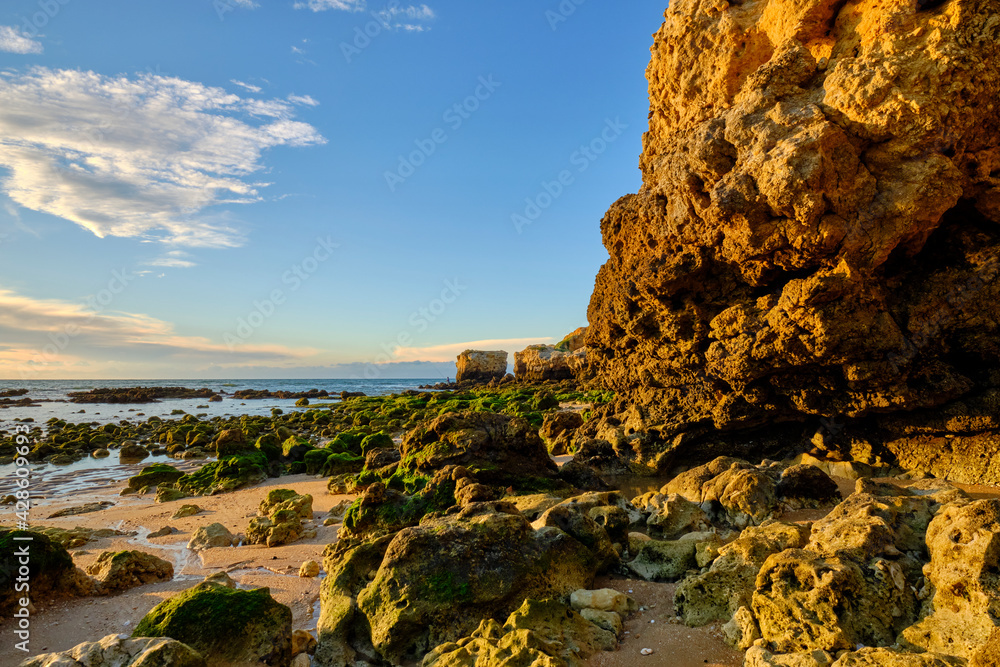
column 210, row 536
column 480, row 366
column 558, row 429
column 804, row 162
column 541, row 363
column 132, row 452
column 498, row 449
column 437, row 580
column 230, row 441
column 185, row 511
column 602, row 599
column 50, row 569
column 540, row 633
column 660, row 560
column 227, row 626
column 672, row 515
column 309, row 569
column 118, row 651
column 116, row 571
column 731, row 580
column 804, row 601
column 964, row 570
column 154, row 475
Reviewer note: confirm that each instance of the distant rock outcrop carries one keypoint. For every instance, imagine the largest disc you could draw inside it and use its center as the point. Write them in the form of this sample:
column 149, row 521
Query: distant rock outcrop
column 480, row 366
column 566, row 360
column 817, row 232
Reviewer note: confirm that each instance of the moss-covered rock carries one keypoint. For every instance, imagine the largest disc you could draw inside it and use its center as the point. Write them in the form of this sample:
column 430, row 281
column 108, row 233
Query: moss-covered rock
column 51, row 572
column 227, row 474
column 380, row 440
column 226, row 626
column 154, row 475
column 438, row 579
column 500, row 450
column 280, row 520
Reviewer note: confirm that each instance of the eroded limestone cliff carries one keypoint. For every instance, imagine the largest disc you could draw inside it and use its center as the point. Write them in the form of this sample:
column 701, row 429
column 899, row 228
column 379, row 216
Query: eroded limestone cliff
column 816, row 239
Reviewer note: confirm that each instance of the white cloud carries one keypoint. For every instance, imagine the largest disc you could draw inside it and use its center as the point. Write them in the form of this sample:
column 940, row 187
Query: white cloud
column 248, row 86
column 49, row 336
column 392, row 16
column 449, row 351
column 303, row 100
column 174, row 259
column 138, row 157
column 323, row 5
column 13, row 40
column 299, row 51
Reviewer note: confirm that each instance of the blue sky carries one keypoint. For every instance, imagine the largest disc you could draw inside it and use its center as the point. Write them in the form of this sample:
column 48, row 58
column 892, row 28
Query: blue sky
column 313, row 188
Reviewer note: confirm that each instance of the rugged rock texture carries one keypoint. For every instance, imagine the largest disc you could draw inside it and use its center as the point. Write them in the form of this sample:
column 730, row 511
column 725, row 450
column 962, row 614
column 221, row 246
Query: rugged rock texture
column 396, row 597
column 479, row 366
column 114, row 651
column 816, row 235
column 227, row 626
column 538, row 363
column 116, row 571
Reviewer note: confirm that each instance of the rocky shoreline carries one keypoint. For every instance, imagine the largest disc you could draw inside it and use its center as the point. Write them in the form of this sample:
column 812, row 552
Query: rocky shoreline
column 466, row 537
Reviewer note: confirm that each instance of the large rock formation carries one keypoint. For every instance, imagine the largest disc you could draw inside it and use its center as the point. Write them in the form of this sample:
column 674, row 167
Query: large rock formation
column 566, row 360
column 480, row 366
column 816, row 236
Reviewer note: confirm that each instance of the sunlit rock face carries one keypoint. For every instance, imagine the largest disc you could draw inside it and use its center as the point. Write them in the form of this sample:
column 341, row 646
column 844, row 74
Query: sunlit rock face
column 816, row 235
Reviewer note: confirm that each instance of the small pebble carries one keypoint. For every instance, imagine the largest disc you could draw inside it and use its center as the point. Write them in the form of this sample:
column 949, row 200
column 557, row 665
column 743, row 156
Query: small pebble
column 646, row 651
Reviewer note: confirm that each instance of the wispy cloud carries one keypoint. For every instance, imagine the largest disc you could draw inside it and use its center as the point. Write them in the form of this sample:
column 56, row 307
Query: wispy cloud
column 174, row 259
column 138, row 157
column 323, row 5
column 12, row 40
column 411, row 18
column 449, row 351
column 303, row 100
column 29, row 327
column 247, row 86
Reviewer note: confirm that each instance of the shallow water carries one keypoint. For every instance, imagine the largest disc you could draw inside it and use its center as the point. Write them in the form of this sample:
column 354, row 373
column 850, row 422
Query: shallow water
column 87, row 474
column 105, row 413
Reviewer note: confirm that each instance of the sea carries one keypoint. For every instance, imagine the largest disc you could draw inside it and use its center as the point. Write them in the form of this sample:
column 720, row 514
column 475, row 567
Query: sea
column 48, row 480
column 55, row 400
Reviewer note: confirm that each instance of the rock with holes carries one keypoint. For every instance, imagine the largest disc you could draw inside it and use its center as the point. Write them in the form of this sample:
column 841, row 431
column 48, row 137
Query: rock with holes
column 816, row 233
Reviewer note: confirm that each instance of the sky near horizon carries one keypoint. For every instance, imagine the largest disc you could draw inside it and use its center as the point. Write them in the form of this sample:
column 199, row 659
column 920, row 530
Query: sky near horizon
column 306, row 188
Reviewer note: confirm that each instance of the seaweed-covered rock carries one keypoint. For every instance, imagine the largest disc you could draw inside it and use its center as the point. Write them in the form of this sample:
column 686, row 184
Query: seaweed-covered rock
column 226, row 474
column 51, row 572
column 436, row 581
column 116, row 651
column 286, row 499
column 498, row 449
column 132, row 452
column 117, row 571
column 230, row 441
column 227, row 626
column 154, row 475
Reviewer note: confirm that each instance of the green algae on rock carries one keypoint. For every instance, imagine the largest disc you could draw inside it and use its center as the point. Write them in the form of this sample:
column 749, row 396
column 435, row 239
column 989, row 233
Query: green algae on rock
column 227, row 626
